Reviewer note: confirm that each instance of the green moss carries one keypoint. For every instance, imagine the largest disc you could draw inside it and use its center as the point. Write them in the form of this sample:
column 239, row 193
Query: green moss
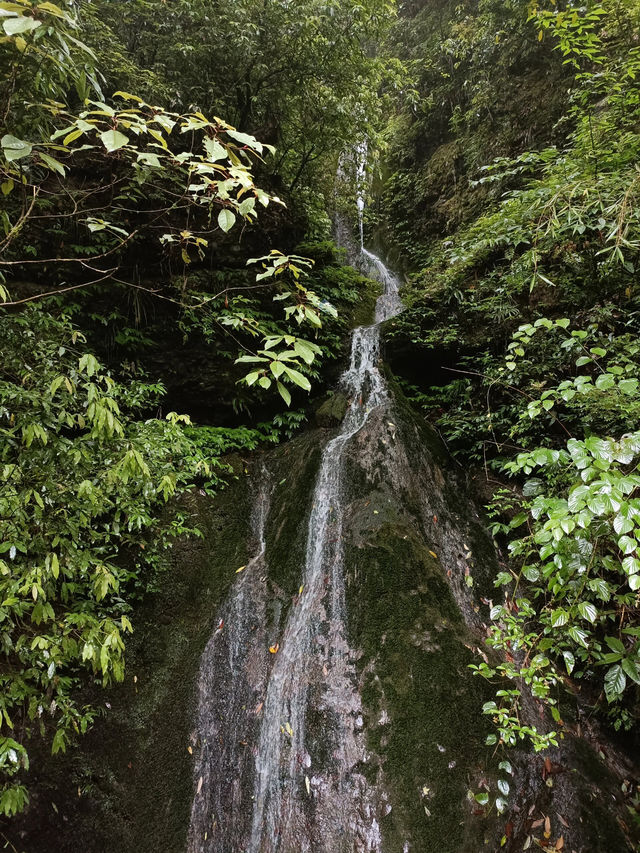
column 404, row 618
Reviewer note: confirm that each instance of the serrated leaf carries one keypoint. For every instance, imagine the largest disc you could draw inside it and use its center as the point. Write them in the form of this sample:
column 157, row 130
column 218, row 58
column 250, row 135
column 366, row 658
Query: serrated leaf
column 559, row 618
column 588, row 611
column 614, row 682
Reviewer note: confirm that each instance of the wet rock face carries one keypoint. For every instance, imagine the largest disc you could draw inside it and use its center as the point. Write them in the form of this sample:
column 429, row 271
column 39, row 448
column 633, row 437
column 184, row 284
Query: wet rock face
column 331, row 413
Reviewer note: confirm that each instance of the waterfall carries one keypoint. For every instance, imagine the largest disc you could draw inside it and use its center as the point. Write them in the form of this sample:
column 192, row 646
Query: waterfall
column 361, row 151
column 230, row 687
column 303, row 727
column 315, row 651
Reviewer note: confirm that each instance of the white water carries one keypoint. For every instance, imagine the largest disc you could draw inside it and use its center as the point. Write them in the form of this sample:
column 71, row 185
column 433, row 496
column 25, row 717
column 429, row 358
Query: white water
column 230, row 685
column 314, row 669
column 308, row 793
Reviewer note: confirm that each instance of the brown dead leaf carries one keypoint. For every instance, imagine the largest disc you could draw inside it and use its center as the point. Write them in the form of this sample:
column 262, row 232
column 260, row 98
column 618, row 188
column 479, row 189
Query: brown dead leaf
column 547, row 827
column 560, row 843
column 258, row 708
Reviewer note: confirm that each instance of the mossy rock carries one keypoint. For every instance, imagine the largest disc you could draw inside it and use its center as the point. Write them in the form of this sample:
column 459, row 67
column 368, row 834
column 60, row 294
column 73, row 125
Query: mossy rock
column 331, row 413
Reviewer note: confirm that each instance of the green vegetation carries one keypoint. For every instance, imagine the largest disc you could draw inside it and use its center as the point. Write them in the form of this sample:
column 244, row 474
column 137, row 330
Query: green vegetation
column 126, row 234
column 531, row 309
column 155, row 256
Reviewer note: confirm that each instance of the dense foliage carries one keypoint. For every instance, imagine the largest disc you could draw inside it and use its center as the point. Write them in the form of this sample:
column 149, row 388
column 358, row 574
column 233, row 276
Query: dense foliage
column 532, row 305
column 127, row 230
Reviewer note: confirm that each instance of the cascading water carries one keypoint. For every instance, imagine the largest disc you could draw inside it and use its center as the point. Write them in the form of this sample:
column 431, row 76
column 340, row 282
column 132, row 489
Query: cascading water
column 308, row 794
column 314, row 670
column 230, row 685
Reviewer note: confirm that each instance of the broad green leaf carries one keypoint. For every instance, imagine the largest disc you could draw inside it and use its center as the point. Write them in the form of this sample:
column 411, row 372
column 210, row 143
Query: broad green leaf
column 113, row 140
column 588, row 611
column 226, row 219
column 559, row 618
column 13, row 26
column 15, row 149
column 631, row 669
column 614, row 682
column 284, row 393
column 298, row 378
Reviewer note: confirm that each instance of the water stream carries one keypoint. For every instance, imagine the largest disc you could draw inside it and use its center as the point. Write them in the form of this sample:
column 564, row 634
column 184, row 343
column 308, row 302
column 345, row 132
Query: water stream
column 303, row 791
column 315, row 668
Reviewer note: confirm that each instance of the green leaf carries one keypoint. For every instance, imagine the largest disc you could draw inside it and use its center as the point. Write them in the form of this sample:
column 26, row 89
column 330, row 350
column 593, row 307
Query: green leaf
column 214, row 150
column 631, row 669
column 628, row 386
column 15, row 149
column 569, row 661
column 614, row 682
column 226, row 219
column 52, row 163
column 588, row 611
column 503, row 787
column 579, row 636
column 113, row 140
column 245, row 139
column 559, row 618
column 13, row 26
column 298, row 378
column 284, row 393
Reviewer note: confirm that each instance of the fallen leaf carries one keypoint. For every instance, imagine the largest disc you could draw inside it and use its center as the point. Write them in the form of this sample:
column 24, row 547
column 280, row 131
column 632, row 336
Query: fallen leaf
column 288, row 728
column 241, row 569
column 190, row 750
column 434, row 555
column 560, row 843
column 307, row 784
column 273, row 649
column 547, row 827
column 562, row 820
column 259, row 708
column 199, row 785
column 300, row 590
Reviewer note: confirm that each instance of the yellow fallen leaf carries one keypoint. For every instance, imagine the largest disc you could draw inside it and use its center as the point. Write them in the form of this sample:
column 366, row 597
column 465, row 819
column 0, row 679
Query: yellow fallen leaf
column 288, row 728
column 300, row 590
column 434, row 555
column 190, row 750
column 241, row 569
column 273, row 649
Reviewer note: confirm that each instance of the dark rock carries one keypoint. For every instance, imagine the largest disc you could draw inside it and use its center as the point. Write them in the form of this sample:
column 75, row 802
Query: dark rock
column 331, row 413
